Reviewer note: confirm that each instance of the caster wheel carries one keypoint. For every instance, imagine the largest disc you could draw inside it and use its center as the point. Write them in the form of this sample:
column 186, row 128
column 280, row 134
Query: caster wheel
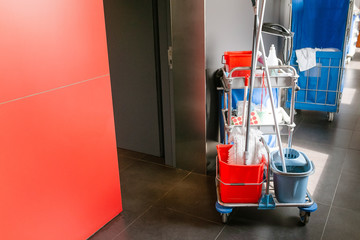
column 304, row 217
column 225, row 217
column 224, row 212
column 331, row 116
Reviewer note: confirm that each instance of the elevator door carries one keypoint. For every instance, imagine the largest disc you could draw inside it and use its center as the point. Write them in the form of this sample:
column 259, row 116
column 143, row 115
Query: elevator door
column 132, row 34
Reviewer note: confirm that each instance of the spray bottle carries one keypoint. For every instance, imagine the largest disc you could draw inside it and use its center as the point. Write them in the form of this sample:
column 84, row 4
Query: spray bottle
column 272, row 60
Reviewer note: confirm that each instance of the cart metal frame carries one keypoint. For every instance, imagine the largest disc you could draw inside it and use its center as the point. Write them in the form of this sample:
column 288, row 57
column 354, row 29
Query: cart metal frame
column 267, row 201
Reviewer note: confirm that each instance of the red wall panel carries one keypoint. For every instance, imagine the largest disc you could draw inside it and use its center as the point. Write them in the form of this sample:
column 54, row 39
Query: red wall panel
column 58, row 163
column 47, row 44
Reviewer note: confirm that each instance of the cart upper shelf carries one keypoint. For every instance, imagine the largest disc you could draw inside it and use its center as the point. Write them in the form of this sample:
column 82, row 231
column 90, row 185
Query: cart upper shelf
column 284, row 79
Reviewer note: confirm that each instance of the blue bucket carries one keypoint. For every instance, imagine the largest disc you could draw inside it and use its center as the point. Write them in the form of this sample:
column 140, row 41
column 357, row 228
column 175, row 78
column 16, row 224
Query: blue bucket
column 290, row 186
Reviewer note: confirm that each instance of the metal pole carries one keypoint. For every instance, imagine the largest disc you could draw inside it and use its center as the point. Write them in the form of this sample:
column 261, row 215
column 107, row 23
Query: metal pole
column 268, row 81
column 292, row 110
column 258, row 22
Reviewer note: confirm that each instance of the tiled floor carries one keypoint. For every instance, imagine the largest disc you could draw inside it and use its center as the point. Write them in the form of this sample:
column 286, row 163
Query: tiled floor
column 166, row 203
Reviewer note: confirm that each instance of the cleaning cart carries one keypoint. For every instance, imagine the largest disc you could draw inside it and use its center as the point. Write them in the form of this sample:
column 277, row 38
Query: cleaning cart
column 281, row 180
column 323, row 26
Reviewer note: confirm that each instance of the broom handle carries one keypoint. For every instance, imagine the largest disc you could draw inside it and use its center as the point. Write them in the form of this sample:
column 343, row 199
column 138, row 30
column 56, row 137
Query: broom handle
column 268, row 82
column 258, row 22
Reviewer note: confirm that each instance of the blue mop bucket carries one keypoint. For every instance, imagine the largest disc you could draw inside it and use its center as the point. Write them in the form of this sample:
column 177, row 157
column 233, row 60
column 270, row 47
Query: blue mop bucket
column 290, row 187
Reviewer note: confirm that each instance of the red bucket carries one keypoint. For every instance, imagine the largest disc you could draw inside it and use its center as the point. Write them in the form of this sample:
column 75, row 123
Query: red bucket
column 239, row 174
column 238, row 59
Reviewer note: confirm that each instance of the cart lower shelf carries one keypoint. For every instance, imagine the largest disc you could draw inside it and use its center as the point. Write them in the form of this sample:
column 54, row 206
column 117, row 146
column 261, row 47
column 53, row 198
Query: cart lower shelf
column 266, row 202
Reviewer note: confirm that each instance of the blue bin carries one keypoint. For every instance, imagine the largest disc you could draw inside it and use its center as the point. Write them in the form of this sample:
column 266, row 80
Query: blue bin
column 290, row 187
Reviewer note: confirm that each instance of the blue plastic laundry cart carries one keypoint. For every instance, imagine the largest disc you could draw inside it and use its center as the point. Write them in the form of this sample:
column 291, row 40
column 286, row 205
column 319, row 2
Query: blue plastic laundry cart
column 321, row 24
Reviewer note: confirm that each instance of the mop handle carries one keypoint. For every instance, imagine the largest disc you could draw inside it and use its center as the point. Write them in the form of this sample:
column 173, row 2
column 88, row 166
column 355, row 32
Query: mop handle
column 255, row 47
column 244, row 103
column 268, row 81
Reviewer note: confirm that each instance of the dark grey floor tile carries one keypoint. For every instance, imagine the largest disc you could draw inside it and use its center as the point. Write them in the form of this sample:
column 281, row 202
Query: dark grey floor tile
column 130, row 154
column 298, row 117
column 323, row 134
column 153, row 159
column 127, row 154
column 345, row 121
column 352, row 162
column 313, row 117
column 328, row 162
column 355, row 140
column 160, row 223
column 350, row 74
column 196, row 195
column 115, row 226
column 342, row 224
column 144, row 183
column 357, row 128
column 347, row 194
column 125, row 162
column 280, row 223
column 236, row 233
column 352, row 78
column 353, row 108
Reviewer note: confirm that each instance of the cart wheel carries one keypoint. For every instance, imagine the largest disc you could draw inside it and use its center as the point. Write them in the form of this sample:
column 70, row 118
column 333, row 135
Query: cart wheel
column 331, row 116
column 304, row 217
column 225, row 217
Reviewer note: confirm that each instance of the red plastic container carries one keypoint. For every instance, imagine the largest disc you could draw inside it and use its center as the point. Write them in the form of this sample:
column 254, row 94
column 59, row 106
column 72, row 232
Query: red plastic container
column 239, row 174
column 238, row 59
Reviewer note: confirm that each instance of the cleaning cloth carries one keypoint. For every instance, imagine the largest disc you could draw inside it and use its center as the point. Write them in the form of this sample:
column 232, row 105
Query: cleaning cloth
column 306, row 58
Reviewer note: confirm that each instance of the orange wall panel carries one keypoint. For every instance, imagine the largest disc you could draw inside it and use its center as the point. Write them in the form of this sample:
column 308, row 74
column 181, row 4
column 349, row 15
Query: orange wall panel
column 58, row 162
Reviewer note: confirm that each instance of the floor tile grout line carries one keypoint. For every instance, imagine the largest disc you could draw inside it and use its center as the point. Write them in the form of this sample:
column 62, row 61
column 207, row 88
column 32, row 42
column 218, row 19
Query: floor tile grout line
column 150, row 162
column 125, row 168
column 151, row 206
column 323, row 203
column 172, row 188
column 155, row 163
column 53, row 89
column 220, row 232
column 195, row 216
column 332, row 201
column 347, row 209
column 130, row 157
column 138, row 217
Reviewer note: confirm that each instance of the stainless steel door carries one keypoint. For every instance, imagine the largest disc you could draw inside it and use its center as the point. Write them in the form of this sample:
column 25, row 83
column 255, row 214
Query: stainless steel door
column 134, row 75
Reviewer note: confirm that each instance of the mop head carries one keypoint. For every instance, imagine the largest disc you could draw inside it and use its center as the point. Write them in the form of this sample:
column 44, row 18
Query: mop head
column 237, row 152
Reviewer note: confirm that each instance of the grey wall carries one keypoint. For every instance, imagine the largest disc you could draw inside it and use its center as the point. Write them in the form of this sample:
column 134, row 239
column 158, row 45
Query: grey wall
column 229, row 27
column 188, row 38
column 131, row 46
column 285, row 7
column 357, row 3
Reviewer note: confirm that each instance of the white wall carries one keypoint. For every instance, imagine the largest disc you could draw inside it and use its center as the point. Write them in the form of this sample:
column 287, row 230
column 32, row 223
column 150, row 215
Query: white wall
column 229, row 27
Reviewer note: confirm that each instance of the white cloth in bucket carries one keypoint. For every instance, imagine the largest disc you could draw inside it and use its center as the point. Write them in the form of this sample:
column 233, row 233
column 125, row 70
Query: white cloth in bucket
column 256, row 148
